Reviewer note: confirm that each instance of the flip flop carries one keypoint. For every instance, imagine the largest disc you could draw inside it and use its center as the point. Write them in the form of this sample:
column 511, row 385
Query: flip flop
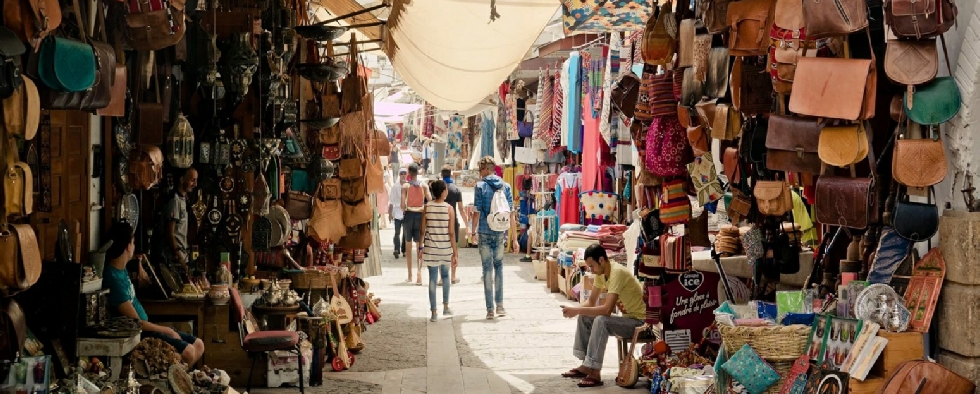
column 574, row 373
column 456, row 281
column 589, row 382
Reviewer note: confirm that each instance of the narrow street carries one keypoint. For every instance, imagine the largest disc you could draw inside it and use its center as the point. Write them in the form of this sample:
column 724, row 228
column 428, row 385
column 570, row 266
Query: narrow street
column 524, row 352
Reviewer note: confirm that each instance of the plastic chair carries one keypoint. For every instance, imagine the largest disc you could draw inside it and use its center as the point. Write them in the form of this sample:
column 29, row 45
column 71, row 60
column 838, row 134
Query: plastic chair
column 264, row 341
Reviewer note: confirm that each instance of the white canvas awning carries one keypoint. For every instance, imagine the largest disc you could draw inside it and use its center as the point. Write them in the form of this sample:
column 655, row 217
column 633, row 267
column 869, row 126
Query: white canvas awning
column 451, row 54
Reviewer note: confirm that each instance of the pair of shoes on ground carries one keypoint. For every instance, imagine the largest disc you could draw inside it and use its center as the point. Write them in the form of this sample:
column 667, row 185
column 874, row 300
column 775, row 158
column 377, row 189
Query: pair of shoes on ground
column 455, row 282
column 586, row 380
column 500, row 312
column 445, row 312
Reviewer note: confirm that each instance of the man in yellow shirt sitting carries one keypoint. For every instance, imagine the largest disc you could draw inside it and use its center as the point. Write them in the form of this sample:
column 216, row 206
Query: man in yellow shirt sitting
column 596, row 322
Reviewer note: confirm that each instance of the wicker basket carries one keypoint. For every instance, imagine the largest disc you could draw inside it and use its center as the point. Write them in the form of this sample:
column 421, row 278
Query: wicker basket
column 782, row 367
column 310, row 279
column 775, row 343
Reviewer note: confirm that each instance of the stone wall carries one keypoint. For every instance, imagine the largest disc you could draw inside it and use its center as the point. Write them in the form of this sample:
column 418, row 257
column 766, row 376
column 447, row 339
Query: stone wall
column 959, row 304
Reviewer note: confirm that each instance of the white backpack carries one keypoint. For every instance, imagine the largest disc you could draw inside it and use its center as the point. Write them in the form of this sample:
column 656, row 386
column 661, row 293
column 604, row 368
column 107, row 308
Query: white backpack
column 498, row 219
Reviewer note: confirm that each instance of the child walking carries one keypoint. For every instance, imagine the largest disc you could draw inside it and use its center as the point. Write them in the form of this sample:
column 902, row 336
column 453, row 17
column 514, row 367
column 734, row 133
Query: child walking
column 438, row 251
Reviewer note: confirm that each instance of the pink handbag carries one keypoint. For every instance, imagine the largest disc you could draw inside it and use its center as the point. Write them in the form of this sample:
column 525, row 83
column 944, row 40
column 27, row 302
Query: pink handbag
column 667, row 149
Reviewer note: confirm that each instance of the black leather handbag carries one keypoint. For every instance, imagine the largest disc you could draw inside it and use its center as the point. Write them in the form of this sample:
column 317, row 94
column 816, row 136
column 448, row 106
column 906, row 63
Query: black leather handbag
column 10, row 72
column 916, row 221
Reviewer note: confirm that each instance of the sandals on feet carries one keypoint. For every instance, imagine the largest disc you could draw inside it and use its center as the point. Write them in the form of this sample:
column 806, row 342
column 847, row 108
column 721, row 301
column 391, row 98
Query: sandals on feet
column 589, row 382
column 456, row 281
column 574, row 373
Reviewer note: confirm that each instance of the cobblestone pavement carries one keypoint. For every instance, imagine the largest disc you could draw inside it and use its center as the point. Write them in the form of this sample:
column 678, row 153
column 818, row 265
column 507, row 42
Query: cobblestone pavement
column 524, row 352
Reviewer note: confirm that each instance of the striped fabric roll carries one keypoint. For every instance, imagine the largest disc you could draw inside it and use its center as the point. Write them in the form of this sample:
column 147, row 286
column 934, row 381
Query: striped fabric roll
column 675, row 253
column 675, row 207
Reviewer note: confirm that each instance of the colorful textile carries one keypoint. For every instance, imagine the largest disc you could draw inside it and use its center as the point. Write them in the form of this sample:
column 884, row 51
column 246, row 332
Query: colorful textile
column 454, row 143
column 572, row 118
column 559, row 107
column 487, row 130
column 705, row 179
column 750, row 370
column 542, row 128
column 598, row 16
column 599, row 207
column 612, row 57
column 512, row 133
column 675, row 207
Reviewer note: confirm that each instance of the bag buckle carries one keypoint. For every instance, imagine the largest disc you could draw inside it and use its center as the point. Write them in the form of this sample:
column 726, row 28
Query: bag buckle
column 799, row 152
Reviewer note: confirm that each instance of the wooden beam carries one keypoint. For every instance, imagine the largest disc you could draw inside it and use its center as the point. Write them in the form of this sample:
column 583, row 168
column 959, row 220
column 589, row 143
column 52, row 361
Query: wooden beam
column 344, row 7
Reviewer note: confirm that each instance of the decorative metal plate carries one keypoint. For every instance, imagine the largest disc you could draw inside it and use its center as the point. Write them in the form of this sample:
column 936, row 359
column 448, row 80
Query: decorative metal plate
column 129, row 209
column 278, row 214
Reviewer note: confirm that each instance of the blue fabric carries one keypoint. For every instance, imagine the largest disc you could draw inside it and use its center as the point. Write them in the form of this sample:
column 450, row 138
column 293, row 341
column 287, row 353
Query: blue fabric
column 483, row 196
column 487, row 129
column 750, row 370
column 120, row 291
column 573, row 102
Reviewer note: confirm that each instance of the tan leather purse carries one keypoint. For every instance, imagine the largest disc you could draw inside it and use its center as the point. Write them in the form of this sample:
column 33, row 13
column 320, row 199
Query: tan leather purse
column 657, row 46
column 729, row 164
column 835, row 88
column 919, row 162
column 773, row 198
column 834, row 17
column 750, row 21
column 374, row 175
column 911, row 62
column 699, row 140
column 22, row 110
column 20, row 258
column 714, row 15
column 843, row 146
column 329, row 135
column 351, row 168
column 145, row 167
column 359, row 213
column 727, row 122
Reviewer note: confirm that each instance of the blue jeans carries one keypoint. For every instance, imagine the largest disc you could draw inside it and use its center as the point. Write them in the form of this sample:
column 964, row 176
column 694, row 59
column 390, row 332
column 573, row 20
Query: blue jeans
column 443, row 271
column 399, row 241
column 492, row 254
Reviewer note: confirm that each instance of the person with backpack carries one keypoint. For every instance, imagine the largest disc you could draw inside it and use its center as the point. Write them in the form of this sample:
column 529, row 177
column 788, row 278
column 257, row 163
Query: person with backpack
column 438, row 250
column 494, row 204
column 414, row 197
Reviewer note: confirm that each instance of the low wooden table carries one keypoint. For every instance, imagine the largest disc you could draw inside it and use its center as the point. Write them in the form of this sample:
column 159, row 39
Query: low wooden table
column 113, row 348
column 193, row 309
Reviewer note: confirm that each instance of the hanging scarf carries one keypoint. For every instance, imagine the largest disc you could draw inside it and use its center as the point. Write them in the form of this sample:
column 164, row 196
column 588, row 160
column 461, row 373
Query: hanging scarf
column 559, row 106
column 545, row 109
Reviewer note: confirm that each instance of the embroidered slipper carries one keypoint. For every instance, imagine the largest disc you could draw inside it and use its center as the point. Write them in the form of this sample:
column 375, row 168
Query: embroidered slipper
column 589, row 382
column 574, row 373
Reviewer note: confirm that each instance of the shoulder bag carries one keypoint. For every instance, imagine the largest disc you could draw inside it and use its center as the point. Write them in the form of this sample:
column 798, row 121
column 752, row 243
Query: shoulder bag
column 750, row 21
column 686, row 43
column 299, row 205
column 911, row 62
column 714, row 15
column 916, row 221
column 23, row 17
column 751, row 87
column 358, row 237
column 20, row 258
column 825, row 18
column 99, row 93
column 326, row 209
column 835, row 88
column 358, row 213
column 625, row 92
column 919, row 162
column 843, row 146
column 923, row 376
column 155, row 25
column 22, row 111
column 667, row 150
column 657, row 46
column 773, row 198
column 705, row 179
column 726, row 123
column 849, row 202
column 792, row 144
column 675, row 206
column 351, row 168
column 935, row 102
column 352, row 191
column 374, row 176
column 917, row 19
column 145, row 167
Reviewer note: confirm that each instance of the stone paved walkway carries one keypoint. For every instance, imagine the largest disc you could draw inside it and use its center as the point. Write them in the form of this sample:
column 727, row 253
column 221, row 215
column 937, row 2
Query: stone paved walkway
column 524, row 352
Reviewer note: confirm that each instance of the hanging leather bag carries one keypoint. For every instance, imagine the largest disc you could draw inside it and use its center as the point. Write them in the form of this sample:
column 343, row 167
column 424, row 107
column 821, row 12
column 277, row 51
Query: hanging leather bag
column 726, row 123
column 326, row 209
column 145, row 167
column 625, row 93
column 358, row 237
column 358, row 213
column 299, row 205
column 911, row 62
column 351, row 168
column 935, row 102
column 686, row 43
column 154, row 25
column 918, row 19
column 750, row 21
column 99, row 94
column 846, row 201
column 835, row 88
column 657, row 46
column 352, row 191
column 714, row 15
column 792, row 144
column 374, row 175
column 66, row 65
column 716, row 82
column 916, row 221
column 919, row 162
column 751, row 87
column 923, row 376
column 32, row 20
column 825, row 18
column 843, row 146
column 11, row 49
column 773, row 198
column 20, row 258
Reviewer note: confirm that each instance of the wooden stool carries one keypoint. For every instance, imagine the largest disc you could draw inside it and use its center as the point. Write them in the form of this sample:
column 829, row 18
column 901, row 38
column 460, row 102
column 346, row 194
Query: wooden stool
column 114, row 348
column 624, row 343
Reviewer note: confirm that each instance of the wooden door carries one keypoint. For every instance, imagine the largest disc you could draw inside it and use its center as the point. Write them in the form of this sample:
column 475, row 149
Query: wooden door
column 70, row 151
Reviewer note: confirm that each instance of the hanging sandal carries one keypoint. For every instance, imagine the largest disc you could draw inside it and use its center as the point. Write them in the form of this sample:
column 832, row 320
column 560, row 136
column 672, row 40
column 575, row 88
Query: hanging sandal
column 575, row 373
column 589, row 382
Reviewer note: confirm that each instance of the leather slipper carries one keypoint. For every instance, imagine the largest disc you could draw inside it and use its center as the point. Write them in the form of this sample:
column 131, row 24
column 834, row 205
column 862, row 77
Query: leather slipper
column 574, row 373
column 589, row 382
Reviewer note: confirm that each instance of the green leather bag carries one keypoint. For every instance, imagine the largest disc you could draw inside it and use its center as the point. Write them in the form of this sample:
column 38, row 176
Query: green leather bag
column 66, row 65
column 933, row 103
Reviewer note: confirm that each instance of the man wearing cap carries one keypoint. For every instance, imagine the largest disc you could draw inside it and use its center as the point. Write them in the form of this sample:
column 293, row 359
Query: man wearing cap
column 395, row 210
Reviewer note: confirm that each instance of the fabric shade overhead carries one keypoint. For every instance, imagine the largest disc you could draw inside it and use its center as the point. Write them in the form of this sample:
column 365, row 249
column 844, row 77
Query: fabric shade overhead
column 451, row 54
column 600, row 16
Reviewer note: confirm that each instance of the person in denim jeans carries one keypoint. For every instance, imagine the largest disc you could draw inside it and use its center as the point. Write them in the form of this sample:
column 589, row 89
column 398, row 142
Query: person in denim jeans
column 395, row 211
column 491, row 242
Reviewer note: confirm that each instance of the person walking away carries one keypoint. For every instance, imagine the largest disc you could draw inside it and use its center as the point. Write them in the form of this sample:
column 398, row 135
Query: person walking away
column 595, row 322
column 455, row 199
column 492, row 232
column 438, row 248
column 397, row 215
column 414, row 197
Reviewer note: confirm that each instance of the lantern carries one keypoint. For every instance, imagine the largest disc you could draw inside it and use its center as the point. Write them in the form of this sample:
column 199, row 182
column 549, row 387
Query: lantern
column 180, row 141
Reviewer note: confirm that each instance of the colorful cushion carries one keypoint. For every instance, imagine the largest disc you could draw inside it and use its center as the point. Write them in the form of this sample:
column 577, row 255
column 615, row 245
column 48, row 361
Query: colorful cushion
column 750, row 370
column 600, row 205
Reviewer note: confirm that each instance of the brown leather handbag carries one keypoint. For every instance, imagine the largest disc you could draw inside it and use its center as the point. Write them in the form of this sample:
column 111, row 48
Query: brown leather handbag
column 730, row 166
column 353, row 191
column 657, row 46
column 23, row 17
column 299, row 205
column 145, row 167
column 835, row 88
column 625, row 92
column 714, row 15
column 726, row 123
column 330, row 135
column 922, row 376
column 919, row 162
column 773, row 198
column 358, row 213
column 13, row 330
column 750, row 21
column 751, row 87
column 351, row 168
column 700, row 142
column 98, row 96
column 916, row 19
column 20, row 258
column 358, row 237
column 792, row 144
column 843, row 146
column 330, row 189
column 323, row 219
column 150, row 116
column 849, row 202
column 825, row 18
column 152, row 29
column 911, row 62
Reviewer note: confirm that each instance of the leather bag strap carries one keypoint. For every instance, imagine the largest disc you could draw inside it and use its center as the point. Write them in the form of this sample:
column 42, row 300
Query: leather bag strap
column 28, row 187
column 30, row 253
column 942, row 39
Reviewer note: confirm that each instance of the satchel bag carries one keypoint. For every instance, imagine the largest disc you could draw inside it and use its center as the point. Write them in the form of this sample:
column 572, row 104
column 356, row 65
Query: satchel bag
column 751, row 87
column 922, row 376
column 792, row 144
column 835, row 88
column 32, row 20
column 357, row 238
column 916, row 20
column 773, row 198
column 380, row 146
column 299, row 205
column 11, row 49
column 783, row 59
column 730, row 165
column 848, row 202
column 99, row 94
column 374, row 176
column 843, row 146
column 663, row 102
column 20, row 258
column 359, row 213
column 657, row 46
column 145, row 167
column 911, row 62
column 22, row 111
column 326, row 210
column 919, row 162
column 933, row 103
column 916, row 221
column 66, row 65
column 750, row 21
column 330, row 189
column 330, row 136
column 726, row 122
column 351, row 168
column 625, row 93
column 352, row 191
column 699, row 139
column 714, row 15
column 155, row 28
column 834, row 17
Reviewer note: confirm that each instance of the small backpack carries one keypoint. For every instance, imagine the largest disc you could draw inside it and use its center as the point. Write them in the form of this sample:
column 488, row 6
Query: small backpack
column 416, row 196
column 498, row 219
